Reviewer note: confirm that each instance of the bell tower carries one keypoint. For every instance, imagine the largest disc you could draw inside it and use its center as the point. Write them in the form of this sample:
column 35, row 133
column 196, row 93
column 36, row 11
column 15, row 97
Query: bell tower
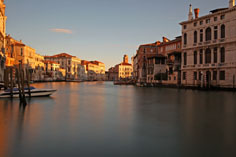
column 190, row 14
column 126, row 59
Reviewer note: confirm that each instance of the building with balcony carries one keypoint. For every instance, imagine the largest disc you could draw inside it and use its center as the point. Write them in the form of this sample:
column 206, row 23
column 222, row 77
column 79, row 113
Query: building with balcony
column 209, row 48
column 164, row 66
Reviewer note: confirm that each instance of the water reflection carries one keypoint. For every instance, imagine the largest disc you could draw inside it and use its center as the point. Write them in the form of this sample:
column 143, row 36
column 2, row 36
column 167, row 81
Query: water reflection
column 99, row 119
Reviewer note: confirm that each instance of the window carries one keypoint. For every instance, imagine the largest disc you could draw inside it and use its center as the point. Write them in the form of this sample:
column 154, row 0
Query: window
column 185, row 27
column 208, row 34
column 215, row 18
column 201, row 56
column 195, row 57
column 195, row 37
column 222, row 55
column 201, row 35
column 195, row 24
column 208, row 56
column 215, row 55
column 195, row 75
column 185, row 39
column 222, row 17
column 200, row 75
column 214, row 75
column 184, row 75
column 222, row 29
column 201, row 22
column 215, row 32
column 222, row 75
column 185, row 58
column 208, row 20
column 21, row 51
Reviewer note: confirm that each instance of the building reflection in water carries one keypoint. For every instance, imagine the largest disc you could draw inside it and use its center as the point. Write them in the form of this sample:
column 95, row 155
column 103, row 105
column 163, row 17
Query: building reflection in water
column 120, row 119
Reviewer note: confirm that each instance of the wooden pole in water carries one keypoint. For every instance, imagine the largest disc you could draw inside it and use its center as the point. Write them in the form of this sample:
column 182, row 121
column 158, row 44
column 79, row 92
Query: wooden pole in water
column 28, row 82
column 21, row 72
column 11, row 75
column 18, row 82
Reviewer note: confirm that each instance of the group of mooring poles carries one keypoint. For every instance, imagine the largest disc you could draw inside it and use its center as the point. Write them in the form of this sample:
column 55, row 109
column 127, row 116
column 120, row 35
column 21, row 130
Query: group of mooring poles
column 18, row 77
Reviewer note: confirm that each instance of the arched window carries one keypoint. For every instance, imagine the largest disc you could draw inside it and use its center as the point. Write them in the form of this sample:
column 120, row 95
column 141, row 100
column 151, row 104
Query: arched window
column 208, row 56
column 195, row 37
column 222, row 55
column 222, row 29
column 208, row 34
column 185, row 39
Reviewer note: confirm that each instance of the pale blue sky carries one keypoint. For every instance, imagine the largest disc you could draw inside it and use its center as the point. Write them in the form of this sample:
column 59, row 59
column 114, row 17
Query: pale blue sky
column 102, row 30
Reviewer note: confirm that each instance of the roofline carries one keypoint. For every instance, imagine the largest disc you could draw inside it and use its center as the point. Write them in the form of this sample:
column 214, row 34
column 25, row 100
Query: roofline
column 209, row 15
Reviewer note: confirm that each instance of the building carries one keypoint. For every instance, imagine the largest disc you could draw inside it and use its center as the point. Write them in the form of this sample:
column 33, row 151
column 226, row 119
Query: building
column 143, row 52
column 167, row 67
column 95, row 70
column 112, row 74
column 53, row 72
column 3, row 19
column 121, row 71
column 209, row 48
column 124, row 69
column 70, row 63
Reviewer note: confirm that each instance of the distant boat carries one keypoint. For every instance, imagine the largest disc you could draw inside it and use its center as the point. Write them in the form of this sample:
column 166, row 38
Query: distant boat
column 34, row 92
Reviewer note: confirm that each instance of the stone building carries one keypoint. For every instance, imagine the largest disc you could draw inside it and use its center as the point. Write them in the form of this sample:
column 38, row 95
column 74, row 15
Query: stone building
column 143, row 52
column 3, row 19
column 121, row 71
column 209, row 48
column 68, row 62
column 53, row 71
column 95, row 70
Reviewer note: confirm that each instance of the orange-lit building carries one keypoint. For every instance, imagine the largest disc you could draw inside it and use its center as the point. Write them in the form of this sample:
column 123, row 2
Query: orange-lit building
column 53, row 71
column 70, row 63
column 124, row 70
column 95, row 70
column 3, row 19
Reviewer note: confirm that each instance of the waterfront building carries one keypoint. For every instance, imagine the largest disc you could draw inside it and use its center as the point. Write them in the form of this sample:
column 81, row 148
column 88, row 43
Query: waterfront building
column 165, row 67
column 143, row 52
column 3, row 19
column 17, row 52
column 53, row 71
column 70, row 63
column 112, row 74
column 124, row 69
column 209, row 48
column 95, row 70
column 135, row 66
column 121, row 71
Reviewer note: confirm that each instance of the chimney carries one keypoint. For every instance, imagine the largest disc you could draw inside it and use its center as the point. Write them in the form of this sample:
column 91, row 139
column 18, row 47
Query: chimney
column 196, row 11
column 165, row 39
column 190, row 14
column 231, row 3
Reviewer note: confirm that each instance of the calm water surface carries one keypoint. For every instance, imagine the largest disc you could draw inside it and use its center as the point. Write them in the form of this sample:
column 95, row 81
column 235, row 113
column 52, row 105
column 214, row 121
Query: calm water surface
column 99, row 119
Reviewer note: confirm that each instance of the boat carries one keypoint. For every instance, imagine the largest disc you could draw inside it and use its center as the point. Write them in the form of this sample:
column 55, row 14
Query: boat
column 35, row 92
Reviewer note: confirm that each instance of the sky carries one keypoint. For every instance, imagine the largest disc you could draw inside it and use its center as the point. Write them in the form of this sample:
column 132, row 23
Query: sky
column 101, row 30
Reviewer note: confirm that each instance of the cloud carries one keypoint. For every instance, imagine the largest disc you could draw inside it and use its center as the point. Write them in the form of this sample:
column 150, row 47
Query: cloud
column 60, row 30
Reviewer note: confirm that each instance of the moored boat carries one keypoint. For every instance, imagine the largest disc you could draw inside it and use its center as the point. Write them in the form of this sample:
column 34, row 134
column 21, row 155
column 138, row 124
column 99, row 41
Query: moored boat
column 34, row 92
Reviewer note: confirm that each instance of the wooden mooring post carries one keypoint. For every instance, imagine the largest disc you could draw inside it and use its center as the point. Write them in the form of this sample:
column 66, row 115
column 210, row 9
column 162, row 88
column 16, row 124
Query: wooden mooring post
column 17, row 76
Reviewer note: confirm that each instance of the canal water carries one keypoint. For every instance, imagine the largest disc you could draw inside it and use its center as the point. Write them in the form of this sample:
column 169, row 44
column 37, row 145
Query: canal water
column 100, row 119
